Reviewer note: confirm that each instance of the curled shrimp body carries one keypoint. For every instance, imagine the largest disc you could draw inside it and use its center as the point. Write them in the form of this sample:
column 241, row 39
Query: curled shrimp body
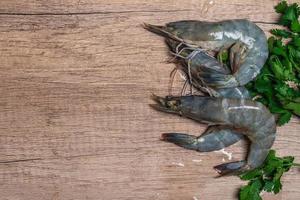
column 243, row 116
column 247, row 43
column 210, row 70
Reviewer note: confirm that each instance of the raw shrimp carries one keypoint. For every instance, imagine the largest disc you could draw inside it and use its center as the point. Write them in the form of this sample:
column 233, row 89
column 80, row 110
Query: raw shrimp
column 250, row 118
column 211, row 71
column 200, row 74
column 247, row 43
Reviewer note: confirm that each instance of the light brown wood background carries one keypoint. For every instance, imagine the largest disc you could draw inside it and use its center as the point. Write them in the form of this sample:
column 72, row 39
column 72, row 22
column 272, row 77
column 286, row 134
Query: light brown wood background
column 76, row 76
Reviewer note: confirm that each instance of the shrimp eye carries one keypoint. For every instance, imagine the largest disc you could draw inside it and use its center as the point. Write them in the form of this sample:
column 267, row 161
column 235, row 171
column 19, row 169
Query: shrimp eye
column 173, row 104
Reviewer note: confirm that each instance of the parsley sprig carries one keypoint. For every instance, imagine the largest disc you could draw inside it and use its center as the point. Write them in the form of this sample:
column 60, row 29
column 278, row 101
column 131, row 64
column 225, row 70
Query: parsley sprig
column 278, row 84
column 267, row 177
column 278, row 87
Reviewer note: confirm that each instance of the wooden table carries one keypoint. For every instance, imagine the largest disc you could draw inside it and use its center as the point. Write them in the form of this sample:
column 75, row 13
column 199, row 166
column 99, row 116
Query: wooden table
column 76, row 76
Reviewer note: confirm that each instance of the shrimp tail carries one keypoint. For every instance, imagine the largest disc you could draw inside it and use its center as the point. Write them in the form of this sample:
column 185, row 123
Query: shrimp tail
column 231, row 167
column 180, row 139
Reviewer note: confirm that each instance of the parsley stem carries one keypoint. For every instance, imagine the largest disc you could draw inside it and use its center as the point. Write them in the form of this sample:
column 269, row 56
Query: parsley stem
column 296, row 164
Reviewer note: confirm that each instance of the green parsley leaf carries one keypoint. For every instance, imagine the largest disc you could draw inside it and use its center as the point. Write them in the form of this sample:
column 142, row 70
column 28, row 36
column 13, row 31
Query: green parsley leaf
column 267, row 177
column 281, row 33
column 281, row 7
column 271, row 42
column 283, row 90
column 251, row 191
column 294, row 107
column 296, row 41
column 269, row 185
column 251, row 174
column 295, row 26
column 277, row 186
column 290, row 14
column 284, row 118
column 276, row 65
column 280, row 51
column 245, row 192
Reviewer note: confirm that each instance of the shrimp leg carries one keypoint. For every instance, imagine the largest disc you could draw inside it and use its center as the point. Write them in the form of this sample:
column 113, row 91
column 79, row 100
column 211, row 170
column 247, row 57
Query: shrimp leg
column 213, row 139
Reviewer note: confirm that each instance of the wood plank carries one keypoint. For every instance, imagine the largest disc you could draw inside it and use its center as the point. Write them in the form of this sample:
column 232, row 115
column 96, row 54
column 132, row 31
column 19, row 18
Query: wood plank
column 75, row 121
column 208, row 9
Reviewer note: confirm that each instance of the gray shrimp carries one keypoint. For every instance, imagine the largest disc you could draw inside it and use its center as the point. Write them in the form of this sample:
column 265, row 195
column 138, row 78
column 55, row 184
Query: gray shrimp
column 211, row 71
column 247, row 43
column 228, row 136
column 242, row 116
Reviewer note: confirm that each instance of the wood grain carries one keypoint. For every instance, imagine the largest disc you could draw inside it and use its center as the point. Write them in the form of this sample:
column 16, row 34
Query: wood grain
column 76, row 77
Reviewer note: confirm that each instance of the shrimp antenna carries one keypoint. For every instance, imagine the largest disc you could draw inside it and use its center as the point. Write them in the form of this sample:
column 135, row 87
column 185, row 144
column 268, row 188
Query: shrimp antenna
column 172, row 77
column 184, row 87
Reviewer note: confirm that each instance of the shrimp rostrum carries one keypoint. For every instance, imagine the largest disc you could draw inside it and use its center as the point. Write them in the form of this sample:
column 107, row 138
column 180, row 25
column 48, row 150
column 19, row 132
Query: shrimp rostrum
column 230, row 118
column 245, row 40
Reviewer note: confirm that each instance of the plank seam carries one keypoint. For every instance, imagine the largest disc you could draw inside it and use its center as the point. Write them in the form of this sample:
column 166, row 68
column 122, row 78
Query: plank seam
column 96, row 12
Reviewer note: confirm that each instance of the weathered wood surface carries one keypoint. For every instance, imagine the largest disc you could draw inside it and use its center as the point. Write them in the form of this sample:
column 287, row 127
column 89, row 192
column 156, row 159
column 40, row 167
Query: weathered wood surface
column 76, row 77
